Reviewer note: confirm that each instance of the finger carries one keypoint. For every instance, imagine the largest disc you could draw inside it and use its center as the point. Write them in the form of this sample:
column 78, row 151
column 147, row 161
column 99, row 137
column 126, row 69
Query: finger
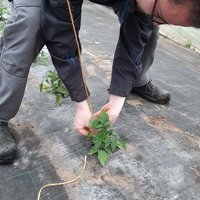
column 83, row 131
column 105, row 108
column 95, row 115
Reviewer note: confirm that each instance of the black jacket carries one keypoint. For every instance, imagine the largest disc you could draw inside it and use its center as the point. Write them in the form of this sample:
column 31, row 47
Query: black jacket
column 135, row 31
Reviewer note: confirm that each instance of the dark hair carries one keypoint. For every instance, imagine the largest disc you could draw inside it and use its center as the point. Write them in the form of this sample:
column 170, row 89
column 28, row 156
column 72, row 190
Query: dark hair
column 195, row 10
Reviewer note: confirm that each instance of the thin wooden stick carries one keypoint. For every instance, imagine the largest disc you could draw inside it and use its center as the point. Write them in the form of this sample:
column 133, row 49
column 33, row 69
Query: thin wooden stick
column 79, row 54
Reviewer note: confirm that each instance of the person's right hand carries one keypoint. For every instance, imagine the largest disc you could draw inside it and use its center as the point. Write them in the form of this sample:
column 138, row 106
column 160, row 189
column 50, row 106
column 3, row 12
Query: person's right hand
column 112, row 108
column 82, row 117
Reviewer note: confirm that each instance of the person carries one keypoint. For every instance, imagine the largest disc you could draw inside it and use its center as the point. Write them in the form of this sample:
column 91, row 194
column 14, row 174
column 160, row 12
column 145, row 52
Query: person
column 137, row 43
column 34, row 24
column 29, row 30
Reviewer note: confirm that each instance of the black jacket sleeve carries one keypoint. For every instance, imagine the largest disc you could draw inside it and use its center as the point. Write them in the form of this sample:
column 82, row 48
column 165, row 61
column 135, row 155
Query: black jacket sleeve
column 60, row 41
column 135, row 31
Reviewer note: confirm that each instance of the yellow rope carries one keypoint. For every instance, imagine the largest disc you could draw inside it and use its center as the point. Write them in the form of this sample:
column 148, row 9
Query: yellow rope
column 88, row 100
column 64, row 183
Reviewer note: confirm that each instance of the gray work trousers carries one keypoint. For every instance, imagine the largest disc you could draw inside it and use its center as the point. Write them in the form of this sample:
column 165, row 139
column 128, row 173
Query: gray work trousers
column 148, row 58
column 19, row 46
column 21, row 42
column 34, row 24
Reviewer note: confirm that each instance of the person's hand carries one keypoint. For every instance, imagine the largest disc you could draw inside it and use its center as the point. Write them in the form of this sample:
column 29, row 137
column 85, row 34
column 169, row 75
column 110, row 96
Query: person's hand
column 82, row 117
column 112, row 108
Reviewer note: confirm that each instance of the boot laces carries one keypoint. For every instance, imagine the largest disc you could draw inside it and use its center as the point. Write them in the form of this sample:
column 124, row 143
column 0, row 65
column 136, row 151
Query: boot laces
column 149, row 88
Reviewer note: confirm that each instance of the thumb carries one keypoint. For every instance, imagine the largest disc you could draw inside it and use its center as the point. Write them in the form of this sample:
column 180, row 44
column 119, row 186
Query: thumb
column 105, row 108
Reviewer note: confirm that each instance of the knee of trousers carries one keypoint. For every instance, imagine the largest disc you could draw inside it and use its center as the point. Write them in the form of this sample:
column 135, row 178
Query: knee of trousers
column 20, row 39
column 152, row 43
column 11, row 94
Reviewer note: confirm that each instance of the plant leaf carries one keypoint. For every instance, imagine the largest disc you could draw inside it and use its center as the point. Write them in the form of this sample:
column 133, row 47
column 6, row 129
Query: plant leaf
column 102, row 156
column 107, row 123
column 96, row 140
column 62, row 90
column 113, row 144
column 107, row 142
column 93, row 123
column 41, row 87
column 58, row 97
column 114, row 133
column 121, row 144
column 59, row 83
column 98, row 126
column 103, row 116
column 93, row 150
column 46, row 86
column 110, row 132
column 108, row 150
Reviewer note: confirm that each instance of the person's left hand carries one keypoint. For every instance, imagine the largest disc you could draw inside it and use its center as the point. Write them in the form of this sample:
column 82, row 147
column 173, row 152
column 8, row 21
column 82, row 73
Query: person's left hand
column 82, row 117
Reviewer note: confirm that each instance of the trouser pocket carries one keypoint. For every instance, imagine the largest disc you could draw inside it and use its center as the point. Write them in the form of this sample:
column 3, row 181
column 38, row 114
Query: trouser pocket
column 21, row 39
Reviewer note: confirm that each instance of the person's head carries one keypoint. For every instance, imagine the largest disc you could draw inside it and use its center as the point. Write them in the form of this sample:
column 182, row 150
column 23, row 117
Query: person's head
column 176, row 12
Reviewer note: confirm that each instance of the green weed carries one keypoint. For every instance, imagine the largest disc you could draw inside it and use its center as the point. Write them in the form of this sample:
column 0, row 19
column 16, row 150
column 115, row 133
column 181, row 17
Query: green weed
column 4, row 15
column 54, row 85
column 42, row 58
column 106, row 140
column 188, row 44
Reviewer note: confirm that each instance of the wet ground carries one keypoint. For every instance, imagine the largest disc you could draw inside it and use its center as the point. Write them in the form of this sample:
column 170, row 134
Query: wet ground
column 162, row 161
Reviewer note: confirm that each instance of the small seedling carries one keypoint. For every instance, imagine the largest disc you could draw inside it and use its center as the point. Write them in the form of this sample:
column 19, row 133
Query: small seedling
column 105, row 140
column 42, row 58
column 188, row 44
column 54, row 85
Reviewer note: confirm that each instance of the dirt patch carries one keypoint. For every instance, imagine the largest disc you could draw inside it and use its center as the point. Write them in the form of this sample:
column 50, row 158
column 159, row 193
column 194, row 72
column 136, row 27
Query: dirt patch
column 96, row 179
column 134, row 102
column 25, row 131
column 22, row 106
column 33, row 80
column 163, row 124
column 121, row 180
column 100, row 177
column 100, row 62
column 130, row 147
column 91, row 70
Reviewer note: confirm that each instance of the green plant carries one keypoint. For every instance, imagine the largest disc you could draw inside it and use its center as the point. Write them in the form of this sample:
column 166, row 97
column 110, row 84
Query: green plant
column 42, row 58
column 105, row 140
column 4, row 13
column 54, row 85
column 188, row 44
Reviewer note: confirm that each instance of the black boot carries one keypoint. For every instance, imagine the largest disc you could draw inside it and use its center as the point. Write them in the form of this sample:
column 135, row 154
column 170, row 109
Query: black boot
column 8, row 144
column 152, row 93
